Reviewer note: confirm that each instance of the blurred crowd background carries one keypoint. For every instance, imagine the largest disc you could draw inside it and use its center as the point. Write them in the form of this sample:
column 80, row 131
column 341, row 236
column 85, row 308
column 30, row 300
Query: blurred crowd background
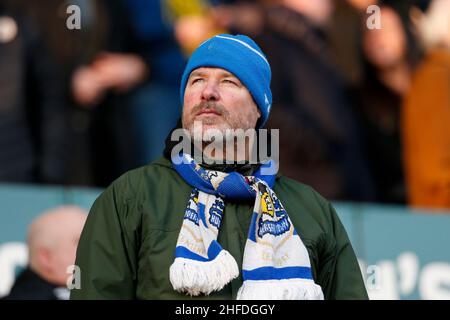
column 363, row 113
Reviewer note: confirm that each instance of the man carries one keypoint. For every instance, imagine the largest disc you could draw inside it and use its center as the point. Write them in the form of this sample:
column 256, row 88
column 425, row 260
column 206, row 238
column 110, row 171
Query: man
column 52, row 241
column 180, row 228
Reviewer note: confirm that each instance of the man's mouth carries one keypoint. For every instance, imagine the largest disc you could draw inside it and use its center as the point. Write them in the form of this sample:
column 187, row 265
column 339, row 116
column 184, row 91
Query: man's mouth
column 208, row 112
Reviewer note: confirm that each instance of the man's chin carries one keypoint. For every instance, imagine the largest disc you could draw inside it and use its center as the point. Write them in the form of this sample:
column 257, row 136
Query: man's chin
column 215, row 127
column 206, row 131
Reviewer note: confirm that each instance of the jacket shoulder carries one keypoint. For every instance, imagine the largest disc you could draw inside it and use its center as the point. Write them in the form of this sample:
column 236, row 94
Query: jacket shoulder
column 302, row 192
column 312, row 214
column 132, row 182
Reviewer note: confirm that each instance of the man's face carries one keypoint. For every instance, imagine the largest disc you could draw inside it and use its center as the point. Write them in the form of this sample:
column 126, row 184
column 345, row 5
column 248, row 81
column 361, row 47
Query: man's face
column 218, row 100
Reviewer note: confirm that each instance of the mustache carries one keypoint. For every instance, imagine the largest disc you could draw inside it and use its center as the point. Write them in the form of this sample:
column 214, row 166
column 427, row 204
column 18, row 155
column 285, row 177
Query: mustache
column 218, row 108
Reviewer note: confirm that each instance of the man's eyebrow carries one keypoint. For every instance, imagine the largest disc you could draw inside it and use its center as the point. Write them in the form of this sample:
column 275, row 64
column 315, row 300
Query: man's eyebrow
column 226, row 74
column 197, row 74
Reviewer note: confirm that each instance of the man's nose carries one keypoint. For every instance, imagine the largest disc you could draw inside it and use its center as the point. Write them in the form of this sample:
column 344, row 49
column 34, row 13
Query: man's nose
column 211, row 91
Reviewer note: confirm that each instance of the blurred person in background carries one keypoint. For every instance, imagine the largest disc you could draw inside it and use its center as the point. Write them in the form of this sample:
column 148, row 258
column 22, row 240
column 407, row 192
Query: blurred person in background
column 318, row 134
column 426, row 112
column 390, row 54
column 103, row 83
column 153, row 107
column 344, row 37
column 99, row 68
column 32, row 111
column 52, row 242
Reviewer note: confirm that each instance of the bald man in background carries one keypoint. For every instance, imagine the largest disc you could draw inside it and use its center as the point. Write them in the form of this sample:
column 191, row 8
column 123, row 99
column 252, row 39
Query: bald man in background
column 52, row 242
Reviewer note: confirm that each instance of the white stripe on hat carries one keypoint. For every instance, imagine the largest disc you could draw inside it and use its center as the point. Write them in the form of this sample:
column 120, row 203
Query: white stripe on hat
column 246, row 45
column 204, row 42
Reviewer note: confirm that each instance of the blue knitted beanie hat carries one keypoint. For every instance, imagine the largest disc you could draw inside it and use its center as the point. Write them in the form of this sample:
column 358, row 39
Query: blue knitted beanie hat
column 241, row 56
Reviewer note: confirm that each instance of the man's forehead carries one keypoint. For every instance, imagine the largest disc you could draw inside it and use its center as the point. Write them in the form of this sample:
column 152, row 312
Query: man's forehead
column 211, row 70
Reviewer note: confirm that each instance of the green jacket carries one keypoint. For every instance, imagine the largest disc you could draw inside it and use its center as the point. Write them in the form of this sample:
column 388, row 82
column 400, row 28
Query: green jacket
column 128, row 242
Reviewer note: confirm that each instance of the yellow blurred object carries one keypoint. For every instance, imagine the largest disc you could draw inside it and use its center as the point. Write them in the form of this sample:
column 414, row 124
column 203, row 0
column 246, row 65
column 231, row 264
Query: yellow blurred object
column 193, row 23
column 191, row 31
column 187, row 7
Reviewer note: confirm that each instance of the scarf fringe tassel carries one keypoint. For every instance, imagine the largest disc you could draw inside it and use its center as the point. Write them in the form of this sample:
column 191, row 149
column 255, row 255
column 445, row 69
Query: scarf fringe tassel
column 292, row 289
column 196, row 277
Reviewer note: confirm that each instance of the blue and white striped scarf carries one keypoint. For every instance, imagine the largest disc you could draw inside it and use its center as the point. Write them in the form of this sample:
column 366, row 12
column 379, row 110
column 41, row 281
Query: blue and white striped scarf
column 276, row 264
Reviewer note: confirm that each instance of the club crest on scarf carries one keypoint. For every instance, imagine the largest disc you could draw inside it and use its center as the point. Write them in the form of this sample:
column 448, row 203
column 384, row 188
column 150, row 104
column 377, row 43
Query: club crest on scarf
column 274, row 219
column 215, row 213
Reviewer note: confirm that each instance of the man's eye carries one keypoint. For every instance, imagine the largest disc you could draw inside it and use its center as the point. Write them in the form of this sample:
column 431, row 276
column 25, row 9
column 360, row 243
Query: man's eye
column 196, row 80
column 230, row 81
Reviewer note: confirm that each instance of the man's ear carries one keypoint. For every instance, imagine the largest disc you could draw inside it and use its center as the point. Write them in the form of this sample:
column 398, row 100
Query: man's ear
column 259, row 112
